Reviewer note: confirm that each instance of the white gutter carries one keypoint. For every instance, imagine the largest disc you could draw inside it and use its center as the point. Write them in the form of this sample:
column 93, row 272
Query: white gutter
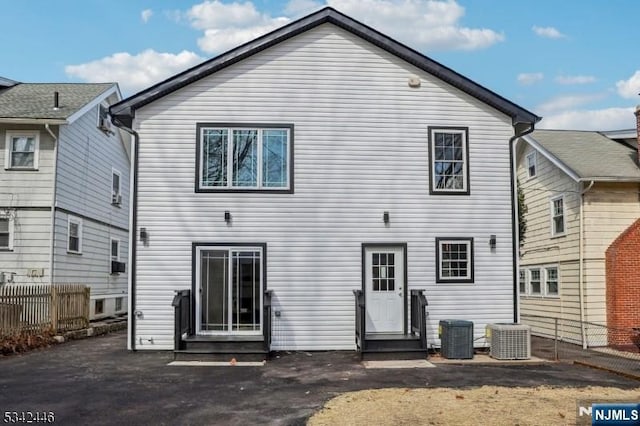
column 581, row 264
column 45, row 121
column 53, row 201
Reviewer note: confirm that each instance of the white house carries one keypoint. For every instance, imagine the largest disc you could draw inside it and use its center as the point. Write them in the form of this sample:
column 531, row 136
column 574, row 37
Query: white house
column 64, row 193
column 319, row 160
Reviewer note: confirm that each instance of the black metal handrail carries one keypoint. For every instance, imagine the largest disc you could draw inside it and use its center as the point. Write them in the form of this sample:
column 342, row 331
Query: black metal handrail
column 419, row 316
column 360, row 320
column 183, row 318
column 266, row 329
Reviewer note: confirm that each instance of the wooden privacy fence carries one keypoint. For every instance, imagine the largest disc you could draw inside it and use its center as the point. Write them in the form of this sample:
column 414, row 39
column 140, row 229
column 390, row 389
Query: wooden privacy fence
column 36, row 308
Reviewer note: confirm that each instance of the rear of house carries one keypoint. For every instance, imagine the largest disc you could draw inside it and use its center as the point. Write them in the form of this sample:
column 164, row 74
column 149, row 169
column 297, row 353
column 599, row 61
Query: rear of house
column 320, row 160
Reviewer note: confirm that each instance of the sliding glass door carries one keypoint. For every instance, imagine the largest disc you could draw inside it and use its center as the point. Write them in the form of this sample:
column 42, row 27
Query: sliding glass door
column 229, row 282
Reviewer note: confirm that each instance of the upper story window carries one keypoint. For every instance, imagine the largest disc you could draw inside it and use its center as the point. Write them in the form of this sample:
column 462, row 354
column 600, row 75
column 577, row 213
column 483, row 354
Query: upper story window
column 449, row 160
column 74, row 235
column 557, row 216
column 116, row 190
column 244, row 159
column 115, row 249
column 6, row 233
column 22, row 149
column 532, row 164
column 454, row 260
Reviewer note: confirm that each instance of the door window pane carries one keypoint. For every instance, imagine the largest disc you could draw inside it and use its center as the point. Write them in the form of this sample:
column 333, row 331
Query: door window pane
column 214, row 278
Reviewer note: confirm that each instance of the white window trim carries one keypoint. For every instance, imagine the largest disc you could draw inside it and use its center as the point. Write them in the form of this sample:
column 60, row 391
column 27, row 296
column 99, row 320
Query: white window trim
column 544, row 294
column 36, row 153
column 117, row 258
column 469, row 278
column 432, row 160
column 10, row 226
column 78, row 221
column 229, row 170
column 115, row 171
column 533, row 155
column 564, row 216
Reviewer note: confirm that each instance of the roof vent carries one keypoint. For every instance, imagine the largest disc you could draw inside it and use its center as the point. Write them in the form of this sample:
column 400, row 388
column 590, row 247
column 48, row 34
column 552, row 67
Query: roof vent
column 56, row 101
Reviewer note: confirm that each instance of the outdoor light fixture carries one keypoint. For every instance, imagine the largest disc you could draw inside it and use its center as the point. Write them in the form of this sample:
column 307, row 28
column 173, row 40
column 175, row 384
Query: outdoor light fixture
column 144, row 236
column 492, row 241
column 227, row 216
column 385, row 217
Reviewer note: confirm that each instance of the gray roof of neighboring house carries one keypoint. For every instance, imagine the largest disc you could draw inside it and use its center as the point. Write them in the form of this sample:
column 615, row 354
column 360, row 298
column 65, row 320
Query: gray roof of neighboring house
column 35, row 100
column 6, row 82
column 589, row 155
column 124, row 111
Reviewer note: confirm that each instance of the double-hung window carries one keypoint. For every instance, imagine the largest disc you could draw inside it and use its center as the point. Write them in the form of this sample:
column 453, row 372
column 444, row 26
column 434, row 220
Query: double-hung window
column 21, row 151
column 247, row 158
column 540, row 281
column 74, row 235
column 454, row 260
column 557, row 216
column 6, row 233
column 115, row 249
column 523, row 281
column 531, row 165
column 116, row 190
column 449, row 160
column 535, row 283
column 551, row 281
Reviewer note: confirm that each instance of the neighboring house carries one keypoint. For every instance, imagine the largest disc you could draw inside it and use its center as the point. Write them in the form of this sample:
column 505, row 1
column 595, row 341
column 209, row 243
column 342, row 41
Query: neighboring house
column 581, row 189
column 64, row 190
column 318, row 160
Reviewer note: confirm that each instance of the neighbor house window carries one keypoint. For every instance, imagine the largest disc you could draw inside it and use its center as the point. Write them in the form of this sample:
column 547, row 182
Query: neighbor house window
column 99, row 306
column 523, row 281
column 22, row 150
column 115, row 249
column 251, row 158
column 74, row 235
column 531, row 165
column 116, row 190
column 557, row 216
column 6, row 233
column 534, row 282
column 454, row 260
column 551, row 281
column 118, row 304
column 449, row 160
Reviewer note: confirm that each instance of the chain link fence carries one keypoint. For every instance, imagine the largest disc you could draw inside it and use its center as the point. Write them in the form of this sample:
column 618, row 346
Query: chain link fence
column 586, row 343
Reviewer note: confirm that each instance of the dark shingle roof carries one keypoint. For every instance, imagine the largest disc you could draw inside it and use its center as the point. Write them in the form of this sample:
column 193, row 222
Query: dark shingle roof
column 124, row 111
column 590, row 155
column 35, row 100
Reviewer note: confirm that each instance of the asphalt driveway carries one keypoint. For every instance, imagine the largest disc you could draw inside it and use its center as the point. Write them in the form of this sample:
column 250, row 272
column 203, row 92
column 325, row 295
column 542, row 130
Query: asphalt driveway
column 97, row 381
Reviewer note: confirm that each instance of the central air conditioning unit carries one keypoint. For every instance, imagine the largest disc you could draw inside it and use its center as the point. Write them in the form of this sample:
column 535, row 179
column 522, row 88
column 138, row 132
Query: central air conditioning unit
column 509, row 341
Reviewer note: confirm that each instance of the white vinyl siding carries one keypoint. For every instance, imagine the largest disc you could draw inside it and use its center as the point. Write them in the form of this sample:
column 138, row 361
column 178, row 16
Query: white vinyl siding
column 353, row 161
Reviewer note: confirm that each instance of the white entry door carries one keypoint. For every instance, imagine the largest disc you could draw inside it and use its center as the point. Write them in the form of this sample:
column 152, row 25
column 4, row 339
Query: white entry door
column 384, row 289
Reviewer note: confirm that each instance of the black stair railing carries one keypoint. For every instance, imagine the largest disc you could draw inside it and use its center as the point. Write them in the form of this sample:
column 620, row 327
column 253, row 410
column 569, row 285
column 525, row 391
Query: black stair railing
column 419, row 316
column 266, row 330
column 360, row 320
column 182, row 314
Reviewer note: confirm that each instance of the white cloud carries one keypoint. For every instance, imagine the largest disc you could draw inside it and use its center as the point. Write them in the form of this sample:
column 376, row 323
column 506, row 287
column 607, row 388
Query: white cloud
column 547, row 32
column 568, row 102
column 425, row 24
column 629, row 88
column 599, row 119
column 134, row 72
column 530, row 78
column 301, row 7
column 145, row 15
column 227, row 25
column 575, row 79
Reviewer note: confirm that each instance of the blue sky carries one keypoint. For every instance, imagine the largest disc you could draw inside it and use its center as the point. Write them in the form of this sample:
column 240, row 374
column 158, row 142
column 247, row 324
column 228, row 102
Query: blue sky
column 573, row 62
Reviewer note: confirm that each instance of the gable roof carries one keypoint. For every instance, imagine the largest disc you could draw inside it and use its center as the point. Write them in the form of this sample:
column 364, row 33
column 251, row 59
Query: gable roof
column 587, row 155
column 34, row 101
column 6, row 82
column 124, row 111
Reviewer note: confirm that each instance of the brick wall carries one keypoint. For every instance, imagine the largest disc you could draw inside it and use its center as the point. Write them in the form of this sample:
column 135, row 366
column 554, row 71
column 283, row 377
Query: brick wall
column 623, row 286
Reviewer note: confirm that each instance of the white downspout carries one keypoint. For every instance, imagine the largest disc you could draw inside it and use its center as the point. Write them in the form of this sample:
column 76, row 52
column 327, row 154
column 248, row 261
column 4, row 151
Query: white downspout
column 581, row 263
column 53, row 200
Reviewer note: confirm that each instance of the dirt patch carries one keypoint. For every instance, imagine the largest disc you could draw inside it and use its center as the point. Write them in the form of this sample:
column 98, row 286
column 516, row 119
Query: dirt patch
column 488, row 405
